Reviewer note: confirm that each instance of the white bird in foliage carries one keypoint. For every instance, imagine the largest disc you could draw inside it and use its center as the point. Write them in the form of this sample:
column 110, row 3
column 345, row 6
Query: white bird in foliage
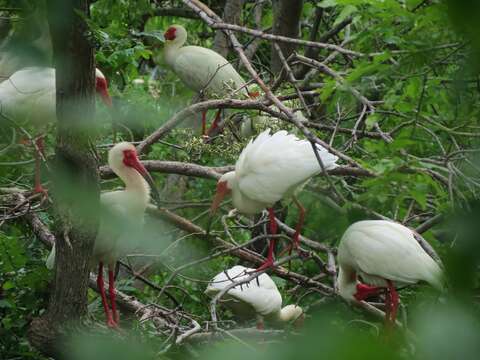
column 256, row 298
column 376, row 256
column 201, row 69
column 271, row 168
column 121, row 219
column 28, row 96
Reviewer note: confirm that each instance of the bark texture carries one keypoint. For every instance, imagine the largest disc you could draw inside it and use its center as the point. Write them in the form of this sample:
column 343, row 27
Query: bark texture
column 75, row 177
column 231, row 14
column 286, row 22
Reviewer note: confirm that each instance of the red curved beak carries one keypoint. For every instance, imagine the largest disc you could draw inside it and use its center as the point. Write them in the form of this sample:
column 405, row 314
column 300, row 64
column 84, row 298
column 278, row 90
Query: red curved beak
column 222, row 190
column 137, row 165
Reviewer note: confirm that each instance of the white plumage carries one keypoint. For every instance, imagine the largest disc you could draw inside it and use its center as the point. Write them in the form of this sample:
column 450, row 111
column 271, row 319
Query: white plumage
column 271, row 167
column 382, row 254
column 258, row 297
column 29, row 96
column 121, row 216
column 201, row 69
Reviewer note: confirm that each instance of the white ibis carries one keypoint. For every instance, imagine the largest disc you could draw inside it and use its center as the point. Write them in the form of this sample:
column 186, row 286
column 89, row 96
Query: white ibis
column 270, row 168
column 121, row 220
column 29, row 96
column 201, row 69
column 256, row 298
column 378, row 255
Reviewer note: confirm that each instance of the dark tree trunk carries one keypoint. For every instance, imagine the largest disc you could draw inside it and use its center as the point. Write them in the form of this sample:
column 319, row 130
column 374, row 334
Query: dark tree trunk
column 231, row 14
column 75, row 176
column 286, row 22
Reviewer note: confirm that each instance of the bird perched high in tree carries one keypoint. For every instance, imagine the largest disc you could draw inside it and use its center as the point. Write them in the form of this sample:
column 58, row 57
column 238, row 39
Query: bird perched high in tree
column 376, row 256
column 202, row 70
column 258, row 297
column 121, row 219
column 271, row 168
column 29, row 96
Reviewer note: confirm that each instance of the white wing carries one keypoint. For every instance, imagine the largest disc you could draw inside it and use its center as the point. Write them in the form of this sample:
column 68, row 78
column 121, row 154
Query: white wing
column 29, row 94
column 387, row 250
column 120, row 227
column 203, row 69
column 272, row 165
column 260, row 293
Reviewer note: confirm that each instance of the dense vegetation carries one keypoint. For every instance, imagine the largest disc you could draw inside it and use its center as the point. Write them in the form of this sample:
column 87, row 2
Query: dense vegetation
column 402, row 106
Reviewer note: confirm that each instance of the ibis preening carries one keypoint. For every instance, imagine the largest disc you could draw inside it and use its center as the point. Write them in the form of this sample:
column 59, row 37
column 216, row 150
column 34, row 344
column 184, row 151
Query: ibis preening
column 271, row 168
column 376, row 256
column 258, row 298
column 121, row 221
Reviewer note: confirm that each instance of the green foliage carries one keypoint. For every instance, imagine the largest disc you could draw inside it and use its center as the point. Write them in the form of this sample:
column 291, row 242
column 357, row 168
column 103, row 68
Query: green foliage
column 419, row 73
column 23, row 290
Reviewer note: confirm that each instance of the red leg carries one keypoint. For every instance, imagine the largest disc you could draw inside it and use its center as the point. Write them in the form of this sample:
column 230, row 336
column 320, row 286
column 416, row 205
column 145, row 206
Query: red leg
column 101, row 287
column 204, row 122
column 388, row 306
column 301, row 219
column 260, row 324
column 111, row 291
column 393, row 303
column 273, row 230
column 40, row 149
column 364, row 291
column 215, row 122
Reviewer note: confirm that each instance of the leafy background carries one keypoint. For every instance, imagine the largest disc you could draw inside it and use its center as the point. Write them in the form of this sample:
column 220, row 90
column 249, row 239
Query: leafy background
column 422, row 71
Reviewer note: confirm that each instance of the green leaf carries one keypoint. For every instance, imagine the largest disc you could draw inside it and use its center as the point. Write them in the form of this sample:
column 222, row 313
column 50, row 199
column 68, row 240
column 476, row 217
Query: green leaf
column 372, row 120
column 327, row 3
column 346, row 12
column 8, row 285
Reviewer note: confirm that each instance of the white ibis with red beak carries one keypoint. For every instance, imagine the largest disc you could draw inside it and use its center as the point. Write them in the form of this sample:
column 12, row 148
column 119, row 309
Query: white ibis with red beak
column 121, row 220
column 258, row 298
column 29, row 96
column 271, row 168
column 201, row 69
column 376, row 256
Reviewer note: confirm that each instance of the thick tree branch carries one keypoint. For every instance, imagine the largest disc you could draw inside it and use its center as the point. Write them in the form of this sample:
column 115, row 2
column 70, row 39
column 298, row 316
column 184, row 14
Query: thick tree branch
column 75, row 172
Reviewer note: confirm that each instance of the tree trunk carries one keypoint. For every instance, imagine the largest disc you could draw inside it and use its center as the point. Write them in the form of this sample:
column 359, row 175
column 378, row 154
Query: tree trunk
column 286, row 22
column 231, row 14
column 75, row 176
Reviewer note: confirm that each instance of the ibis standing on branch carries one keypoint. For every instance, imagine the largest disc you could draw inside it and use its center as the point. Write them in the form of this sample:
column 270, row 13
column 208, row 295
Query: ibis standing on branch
column 121, row 219
column 28, row 96
column 202, row 70
column 271, row 168
column 376, row 256
column 256, row 298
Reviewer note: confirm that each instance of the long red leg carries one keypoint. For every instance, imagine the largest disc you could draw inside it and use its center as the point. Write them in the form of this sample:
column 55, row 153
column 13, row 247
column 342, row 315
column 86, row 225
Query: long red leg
column 204, row 122
column 111, row 291
column 101, row 287
column 388, row 307
column 215, row 122
column 41, row 150
column 273, row 231
column 394, row 301
column 301, row 219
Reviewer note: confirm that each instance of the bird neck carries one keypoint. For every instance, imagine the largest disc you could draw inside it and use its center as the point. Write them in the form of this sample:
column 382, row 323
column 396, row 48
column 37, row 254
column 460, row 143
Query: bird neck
column 346, row 282
column 171, row 48
column 135, row 184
